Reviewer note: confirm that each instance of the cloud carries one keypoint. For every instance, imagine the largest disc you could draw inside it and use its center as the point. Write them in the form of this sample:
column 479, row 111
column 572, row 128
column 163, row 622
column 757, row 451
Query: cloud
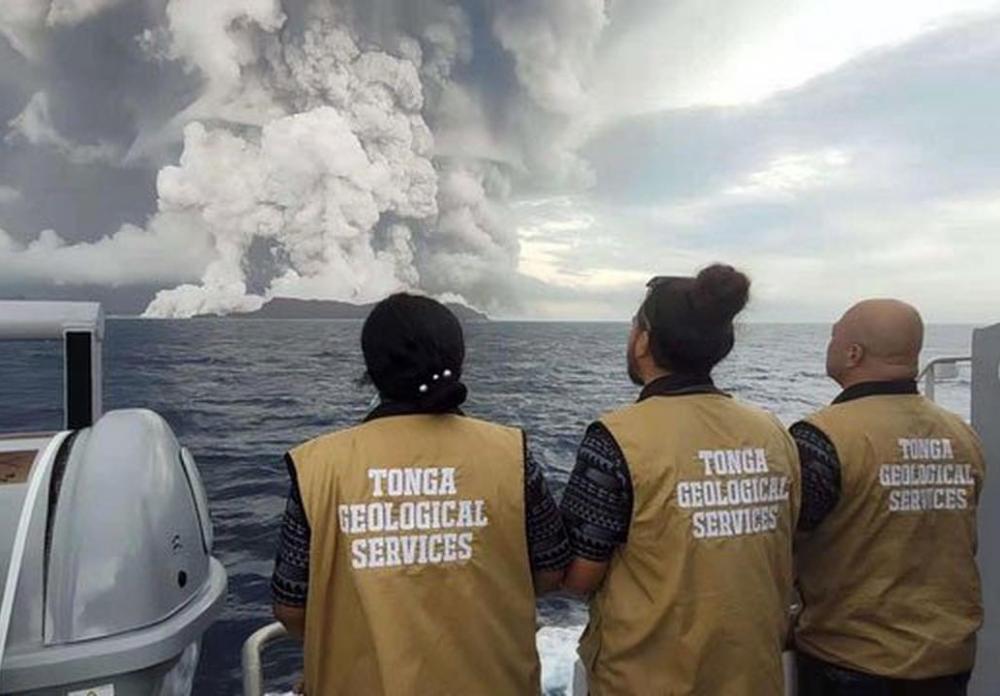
column 172, row 250
column 863, row 182
column 590, row 260
column 25, row 23
column 34, row 126
column 552, row 42
column 71, row 12
column 9, row 195
column 789, row 174
column 471, row 247
column 689, row 53
column 22, row 23
column 885, row 115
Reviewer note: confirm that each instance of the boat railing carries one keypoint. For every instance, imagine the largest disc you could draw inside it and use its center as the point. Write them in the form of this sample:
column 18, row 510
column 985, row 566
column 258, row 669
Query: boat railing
column 939, row 370
column 253, row 649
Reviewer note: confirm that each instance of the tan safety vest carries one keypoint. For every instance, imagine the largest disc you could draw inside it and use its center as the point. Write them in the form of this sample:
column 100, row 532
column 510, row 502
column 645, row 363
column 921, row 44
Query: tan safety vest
column 419, row 579
column 696, row 601
column 889, row 580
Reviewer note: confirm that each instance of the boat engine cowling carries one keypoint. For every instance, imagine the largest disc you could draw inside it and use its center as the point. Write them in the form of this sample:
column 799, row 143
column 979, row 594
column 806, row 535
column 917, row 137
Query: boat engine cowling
column 117, row 582
column 129, row 544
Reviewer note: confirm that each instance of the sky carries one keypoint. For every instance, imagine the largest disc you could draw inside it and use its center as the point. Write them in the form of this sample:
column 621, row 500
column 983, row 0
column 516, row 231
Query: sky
column 538, row 159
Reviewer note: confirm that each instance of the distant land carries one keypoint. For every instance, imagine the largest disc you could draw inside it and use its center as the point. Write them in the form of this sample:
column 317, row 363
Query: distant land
column 288, row 308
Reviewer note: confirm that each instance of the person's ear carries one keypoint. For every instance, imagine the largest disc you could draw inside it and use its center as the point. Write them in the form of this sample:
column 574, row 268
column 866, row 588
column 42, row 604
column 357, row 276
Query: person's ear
column 642, row 349
column 855, row 354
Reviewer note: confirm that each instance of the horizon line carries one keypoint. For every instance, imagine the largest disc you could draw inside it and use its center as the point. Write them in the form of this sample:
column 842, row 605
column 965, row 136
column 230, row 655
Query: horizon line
column 510, row 320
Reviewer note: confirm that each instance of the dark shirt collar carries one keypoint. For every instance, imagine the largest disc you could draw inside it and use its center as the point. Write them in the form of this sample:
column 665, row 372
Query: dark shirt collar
column 680, row 384
column 893, row 387
column 399, row 408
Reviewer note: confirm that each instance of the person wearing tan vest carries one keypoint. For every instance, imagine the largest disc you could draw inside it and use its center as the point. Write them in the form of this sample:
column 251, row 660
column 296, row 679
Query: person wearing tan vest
column 414, row 543
column 886, row 551
column 681, row 511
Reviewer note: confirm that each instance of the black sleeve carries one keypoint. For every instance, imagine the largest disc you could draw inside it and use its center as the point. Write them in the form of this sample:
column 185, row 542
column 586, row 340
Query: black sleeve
column 548, row 545
column 290, row 582
column 597, row 504
column 820, row 474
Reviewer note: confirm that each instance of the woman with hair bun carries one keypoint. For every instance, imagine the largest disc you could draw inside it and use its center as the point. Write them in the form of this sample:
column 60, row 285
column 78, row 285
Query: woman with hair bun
column 414, row 544
column 681, row 510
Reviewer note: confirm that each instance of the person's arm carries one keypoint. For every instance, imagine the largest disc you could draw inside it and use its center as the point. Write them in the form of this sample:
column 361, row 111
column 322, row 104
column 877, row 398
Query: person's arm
column 820, row 475
column 583, row 577
column 292, row 618
column 548, row 545
column 290, row 581
column 597, row 509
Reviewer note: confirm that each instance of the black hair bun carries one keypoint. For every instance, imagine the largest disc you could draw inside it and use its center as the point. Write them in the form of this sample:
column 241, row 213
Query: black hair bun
column 443, row 397
column 720, row 292
column 414, row 348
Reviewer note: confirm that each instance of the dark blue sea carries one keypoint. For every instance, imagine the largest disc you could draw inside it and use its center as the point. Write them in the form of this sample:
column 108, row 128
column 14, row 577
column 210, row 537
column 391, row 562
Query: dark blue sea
column 240, row 393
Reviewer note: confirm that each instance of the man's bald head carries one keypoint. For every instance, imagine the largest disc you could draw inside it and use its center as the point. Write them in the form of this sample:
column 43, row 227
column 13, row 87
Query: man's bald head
column 876, row 340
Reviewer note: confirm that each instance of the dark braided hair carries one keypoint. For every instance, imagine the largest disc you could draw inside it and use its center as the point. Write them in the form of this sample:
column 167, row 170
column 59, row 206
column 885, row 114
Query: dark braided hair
column 407, row 340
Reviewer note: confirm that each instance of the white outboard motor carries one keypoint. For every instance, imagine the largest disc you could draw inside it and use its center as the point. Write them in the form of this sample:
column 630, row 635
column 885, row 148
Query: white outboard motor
column 105, row 538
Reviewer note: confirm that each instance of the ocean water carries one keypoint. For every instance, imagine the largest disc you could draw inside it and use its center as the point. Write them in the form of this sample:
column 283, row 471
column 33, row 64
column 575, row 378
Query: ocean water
column 240, row 393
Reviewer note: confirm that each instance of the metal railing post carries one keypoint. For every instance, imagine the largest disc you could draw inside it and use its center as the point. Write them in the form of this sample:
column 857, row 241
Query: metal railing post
column 253, row 673
column 929, row 374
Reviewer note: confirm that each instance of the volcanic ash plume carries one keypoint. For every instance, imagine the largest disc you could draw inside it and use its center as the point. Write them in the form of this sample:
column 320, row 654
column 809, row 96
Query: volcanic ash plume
column 338, row 137
column 316, row 184
column 336, row 149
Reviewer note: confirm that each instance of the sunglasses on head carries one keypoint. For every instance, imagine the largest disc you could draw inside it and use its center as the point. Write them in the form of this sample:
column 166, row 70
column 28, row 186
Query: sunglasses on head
column 657, row 281
column 640, row 318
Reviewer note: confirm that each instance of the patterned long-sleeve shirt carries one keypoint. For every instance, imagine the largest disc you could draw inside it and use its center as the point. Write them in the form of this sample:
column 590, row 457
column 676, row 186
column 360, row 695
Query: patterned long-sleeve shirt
column 597, row 504
column 818, row 455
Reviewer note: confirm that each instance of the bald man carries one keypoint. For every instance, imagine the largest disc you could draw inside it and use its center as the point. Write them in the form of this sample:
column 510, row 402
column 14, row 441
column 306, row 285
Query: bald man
column 887, row 535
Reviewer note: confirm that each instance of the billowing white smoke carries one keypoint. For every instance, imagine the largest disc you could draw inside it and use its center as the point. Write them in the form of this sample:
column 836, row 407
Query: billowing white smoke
column 552, row 43
column 310, row 187
column 69, row 12
column 352, row 152
column 23, row 22
column 471, row 247
column 166, row 252
column 34, row 125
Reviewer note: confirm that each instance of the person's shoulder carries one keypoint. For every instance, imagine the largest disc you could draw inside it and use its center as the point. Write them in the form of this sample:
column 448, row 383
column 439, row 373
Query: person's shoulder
column 600, row 440
column 754, row 413
column 614, row 415
column 953, row 419
column 766, row 420
column 325, row 441
column 473, row 423
column 820, row 418
column 751, row 410
column 941, row 411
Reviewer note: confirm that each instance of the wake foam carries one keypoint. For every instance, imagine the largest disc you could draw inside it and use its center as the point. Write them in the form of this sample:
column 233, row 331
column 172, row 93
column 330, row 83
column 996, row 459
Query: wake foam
column 557, row 650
